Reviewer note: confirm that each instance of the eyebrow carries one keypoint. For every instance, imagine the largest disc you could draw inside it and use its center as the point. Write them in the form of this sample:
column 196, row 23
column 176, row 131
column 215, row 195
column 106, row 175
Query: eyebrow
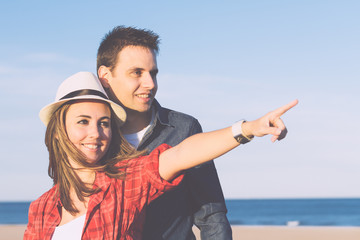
column 135, row 68
column 155, row 70
column 86, row 116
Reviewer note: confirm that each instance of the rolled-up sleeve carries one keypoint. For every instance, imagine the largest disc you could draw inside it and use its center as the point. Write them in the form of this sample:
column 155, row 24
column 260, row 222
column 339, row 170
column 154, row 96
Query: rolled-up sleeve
column 158, row 185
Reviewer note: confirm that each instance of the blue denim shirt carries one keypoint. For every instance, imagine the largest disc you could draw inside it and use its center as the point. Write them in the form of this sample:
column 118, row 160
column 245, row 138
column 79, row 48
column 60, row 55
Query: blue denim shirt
column 198, row 200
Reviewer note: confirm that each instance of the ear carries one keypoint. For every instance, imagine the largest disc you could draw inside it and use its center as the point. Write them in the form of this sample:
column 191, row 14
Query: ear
column 104, row 74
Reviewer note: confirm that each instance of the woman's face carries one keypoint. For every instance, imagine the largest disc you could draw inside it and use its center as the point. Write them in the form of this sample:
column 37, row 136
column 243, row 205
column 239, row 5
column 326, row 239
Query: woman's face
column 88, row 125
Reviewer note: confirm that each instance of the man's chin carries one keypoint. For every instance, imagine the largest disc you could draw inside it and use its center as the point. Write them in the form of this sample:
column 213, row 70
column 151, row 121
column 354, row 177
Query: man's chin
column 143, row 110
column 139, row 109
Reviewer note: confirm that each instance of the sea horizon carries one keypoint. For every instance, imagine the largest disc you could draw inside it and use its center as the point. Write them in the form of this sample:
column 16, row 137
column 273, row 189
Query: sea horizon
column 234, row 198
column 251, row 212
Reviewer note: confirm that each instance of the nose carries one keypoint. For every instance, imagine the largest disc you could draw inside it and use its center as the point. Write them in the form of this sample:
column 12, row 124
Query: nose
column 94, row 131
column 148, row 81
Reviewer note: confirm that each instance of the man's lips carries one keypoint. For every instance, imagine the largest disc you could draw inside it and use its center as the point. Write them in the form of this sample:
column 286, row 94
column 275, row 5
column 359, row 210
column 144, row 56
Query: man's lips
column 144, row 95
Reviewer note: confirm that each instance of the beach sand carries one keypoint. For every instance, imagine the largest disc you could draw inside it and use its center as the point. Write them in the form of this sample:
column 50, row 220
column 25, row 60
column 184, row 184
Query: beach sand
column 15, row 232
column 293, row 233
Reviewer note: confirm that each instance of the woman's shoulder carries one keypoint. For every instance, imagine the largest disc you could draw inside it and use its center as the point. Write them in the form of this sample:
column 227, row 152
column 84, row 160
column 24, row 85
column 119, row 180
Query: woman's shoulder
column 154, row 153
column 135, row 164
column 47, row 198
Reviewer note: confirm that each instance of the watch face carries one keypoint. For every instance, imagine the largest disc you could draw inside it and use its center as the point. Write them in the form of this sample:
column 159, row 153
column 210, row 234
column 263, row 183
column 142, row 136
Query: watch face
column 241, row 139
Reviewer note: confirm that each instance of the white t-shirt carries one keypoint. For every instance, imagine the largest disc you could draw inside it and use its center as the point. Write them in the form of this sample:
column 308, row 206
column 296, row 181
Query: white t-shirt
column 135, row 138
column 71, row 230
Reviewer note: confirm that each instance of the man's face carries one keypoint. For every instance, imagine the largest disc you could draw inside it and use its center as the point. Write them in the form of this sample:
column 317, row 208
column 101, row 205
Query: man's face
column 133, row 80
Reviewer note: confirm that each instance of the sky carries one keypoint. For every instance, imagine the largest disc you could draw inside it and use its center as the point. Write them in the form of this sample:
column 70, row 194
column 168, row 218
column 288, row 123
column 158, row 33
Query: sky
column 219, row 61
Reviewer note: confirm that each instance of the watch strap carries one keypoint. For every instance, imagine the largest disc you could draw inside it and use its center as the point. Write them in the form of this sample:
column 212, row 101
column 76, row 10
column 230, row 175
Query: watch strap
column 238, row 134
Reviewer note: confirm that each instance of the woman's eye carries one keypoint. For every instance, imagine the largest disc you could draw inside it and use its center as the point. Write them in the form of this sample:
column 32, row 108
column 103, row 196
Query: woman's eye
column 105, row 124
column 83, row 122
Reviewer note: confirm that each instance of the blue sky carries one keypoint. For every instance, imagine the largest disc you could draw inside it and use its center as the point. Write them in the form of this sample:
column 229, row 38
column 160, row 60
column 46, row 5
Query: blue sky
column 220, row 62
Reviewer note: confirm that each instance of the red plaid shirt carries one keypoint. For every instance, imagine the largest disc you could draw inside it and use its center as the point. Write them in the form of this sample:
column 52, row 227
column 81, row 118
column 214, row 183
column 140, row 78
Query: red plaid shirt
column 116, row 212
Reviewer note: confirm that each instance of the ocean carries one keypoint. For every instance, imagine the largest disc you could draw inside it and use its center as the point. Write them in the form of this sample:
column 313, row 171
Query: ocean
column 294, row 212
column 280, row 212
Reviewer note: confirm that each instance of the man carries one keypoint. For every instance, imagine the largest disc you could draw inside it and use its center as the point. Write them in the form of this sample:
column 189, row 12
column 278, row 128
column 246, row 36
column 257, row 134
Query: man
column 127, row 68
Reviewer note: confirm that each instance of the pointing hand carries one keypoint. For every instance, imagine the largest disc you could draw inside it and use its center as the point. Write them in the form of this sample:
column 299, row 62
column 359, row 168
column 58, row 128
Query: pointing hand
column 270, row 123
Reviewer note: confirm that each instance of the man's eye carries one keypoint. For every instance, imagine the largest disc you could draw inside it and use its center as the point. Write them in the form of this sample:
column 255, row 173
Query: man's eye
column 154, row 74
column 137, row 73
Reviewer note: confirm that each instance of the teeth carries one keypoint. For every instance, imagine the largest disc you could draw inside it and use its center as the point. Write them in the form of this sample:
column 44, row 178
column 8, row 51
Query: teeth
column 91, row 146
column 143, row 95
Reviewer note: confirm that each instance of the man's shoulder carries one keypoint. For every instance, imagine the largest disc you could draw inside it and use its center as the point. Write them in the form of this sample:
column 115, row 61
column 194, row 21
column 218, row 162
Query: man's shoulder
column 171, row 127
column 174, row 116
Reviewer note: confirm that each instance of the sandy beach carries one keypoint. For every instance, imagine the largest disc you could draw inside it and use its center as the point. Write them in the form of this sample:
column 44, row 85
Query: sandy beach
column 293, row 233
column 15, row 232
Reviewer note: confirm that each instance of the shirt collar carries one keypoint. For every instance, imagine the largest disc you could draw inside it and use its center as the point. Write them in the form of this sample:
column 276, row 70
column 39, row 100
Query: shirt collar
column 102, row 182
column 161, row 114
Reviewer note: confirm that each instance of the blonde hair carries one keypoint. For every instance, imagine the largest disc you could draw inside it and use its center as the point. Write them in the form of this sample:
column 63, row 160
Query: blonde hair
column 61, row 149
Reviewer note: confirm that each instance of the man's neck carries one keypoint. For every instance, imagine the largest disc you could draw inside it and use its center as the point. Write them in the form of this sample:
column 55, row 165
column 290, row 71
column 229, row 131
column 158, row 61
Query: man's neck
column 136, row 121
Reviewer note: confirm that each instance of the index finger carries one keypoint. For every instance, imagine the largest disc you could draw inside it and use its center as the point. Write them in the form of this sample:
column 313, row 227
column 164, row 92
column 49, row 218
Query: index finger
column 281, row 110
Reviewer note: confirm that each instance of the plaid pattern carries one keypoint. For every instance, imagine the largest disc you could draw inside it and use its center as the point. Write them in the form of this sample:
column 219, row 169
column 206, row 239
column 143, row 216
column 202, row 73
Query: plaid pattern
column 116, row 212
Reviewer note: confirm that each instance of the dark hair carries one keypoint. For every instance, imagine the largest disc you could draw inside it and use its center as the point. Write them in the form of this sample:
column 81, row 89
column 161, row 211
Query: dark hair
column 61, row 149
column 120, row 37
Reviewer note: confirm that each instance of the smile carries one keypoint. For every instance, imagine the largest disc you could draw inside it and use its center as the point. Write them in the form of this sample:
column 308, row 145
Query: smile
column 91, row 146
column 143, row 95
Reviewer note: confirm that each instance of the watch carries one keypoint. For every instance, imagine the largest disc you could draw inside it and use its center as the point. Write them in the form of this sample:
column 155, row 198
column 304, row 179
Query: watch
column 237, row 133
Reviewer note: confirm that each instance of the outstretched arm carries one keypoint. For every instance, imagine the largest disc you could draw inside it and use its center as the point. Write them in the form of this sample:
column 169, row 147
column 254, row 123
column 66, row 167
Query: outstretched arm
column 204, row 147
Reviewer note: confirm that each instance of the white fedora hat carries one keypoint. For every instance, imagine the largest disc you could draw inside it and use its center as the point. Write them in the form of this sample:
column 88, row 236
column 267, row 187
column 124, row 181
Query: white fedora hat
column 82, row 85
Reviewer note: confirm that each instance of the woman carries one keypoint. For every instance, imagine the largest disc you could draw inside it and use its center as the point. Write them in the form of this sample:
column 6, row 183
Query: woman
column 101, row 184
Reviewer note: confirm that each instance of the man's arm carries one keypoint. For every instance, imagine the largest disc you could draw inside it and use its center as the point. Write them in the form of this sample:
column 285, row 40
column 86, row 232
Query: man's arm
column 208, row 199
column 210, row 209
